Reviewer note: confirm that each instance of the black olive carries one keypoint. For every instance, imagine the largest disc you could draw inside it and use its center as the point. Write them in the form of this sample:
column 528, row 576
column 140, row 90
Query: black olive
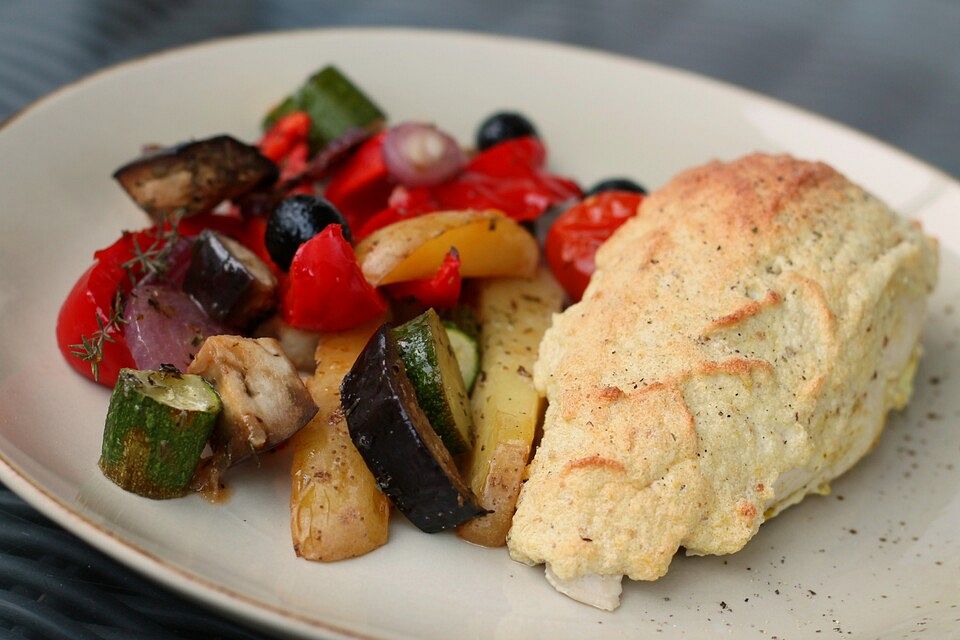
column 505, row 125
column 296, row 220
column 615, row 184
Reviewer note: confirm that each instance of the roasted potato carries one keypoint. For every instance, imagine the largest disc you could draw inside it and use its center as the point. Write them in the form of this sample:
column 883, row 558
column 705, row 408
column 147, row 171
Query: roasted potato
column 336, row 509
column 514, row 314
column 300, row 345
column 489, row 244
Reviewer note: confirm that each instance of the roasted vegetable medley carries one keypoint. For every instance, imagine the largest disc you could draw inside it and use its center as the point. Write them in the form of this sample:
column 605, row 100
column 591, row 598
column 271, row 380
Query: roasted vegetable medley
column 370, row 292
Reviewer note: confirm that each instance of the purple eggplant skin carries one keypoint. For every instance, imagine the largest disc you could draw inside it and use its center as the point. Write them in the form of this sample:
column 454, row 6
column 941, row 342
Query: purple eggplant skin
column 395, row 439
column 194, row 177
column 230, row 283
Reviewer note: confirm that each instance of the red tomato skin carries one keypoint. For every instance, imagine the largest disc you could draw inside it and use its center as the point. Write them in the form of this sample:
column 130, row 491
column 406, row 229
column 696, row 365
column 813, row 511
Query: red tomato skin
column 326, row 290
column 578, row 232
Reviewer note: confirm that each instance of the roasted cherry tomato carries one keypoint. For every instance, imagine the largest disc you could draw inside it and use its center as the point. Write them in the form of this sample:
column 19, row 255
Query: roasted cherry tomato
column 578, row 232
column 326, row 290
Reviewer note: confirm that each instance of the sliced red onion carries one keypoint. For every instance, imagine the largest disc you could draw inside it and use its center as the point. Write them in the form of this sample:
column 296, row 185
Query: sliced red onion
column 177, row 262
column 420, row 155
column 164, row 326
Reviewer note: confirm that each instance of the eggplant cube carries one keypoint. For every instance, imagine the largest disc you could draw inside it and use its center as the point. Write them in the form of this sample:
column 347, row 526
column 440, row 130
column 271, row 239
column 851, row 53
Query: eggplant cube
column 229, row 281
column 193, row 177
column 264, row 400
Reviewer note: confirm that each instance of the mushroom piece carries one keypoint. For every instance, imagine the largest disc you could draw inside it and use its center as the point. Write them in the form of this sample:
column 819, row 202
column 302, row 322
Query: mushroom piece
column 264, row 400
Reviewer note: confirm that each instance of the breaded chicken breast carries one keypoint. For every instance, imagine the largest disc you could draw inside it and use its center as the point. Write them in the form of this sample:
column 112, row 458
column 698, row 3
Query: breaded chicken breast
column 739, row 346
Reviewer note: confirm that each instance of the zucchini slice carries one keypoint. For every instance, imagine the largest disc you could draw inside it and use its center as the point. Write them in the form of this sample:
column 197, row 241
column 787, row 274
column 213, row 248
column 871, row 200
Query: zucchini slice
column 335, row 105
column 467, row 352
column 156, row 428
column 395, row 439
column 433, row 369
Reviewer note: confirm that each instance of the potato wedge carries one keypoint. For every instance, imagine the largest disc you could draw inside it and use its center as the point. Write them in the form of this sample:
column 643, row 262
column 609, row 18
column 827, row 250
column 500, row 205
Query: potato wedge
column 300, row 345
column 336, row 509
column 514, row 314
column 489, row 243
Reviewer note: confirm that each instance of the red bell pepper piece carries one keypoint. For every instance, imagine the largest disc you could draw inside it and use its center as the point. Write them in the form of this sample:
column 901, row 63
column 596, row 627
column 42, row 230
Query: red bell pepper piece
column 511, row 157
column 284, row 135
column 295, row 162
column 326, row 290
column 508, row 176
column 91, row 300
column 404, row 202
column 521, row 197
column 377, row 221
column 441, row 291
column 361, row 186
column 302, row 188
column 231, row 225
column 253, row 237
column 412, row 200
column 89, row 307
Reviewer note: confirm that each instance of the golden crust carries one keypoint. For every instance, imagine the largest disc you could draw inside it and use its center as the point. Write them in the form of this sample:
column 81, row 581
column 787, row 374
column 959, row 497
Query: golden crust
column 736, row 349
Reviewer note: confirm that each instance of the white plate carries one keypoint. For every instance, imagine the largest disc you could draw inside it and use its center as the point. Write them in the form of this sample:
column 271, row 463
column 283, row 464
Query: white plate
column 807, row 571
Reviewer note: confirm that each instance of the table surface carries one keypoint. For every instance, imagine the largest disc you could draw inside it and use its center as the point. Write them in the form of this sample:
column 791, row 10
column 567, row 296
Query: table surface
column 887, row 67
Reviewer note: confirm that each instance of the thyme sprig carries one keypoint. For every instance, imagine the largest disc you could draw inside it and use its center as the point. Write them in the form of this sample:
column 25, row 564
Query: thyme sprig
column 90, row 348
column 154, row 261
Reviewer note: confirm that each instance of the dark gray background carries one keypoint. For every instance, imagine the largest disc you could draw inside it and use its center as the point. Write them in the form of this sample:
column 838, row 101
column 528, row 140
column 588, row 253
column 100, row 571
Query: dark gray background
column 888, row 67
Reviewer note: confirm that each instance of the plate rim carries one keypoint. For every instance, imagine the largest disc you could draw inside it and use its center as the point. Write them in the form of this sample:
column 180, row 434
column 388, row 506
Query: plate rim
column 263, row 614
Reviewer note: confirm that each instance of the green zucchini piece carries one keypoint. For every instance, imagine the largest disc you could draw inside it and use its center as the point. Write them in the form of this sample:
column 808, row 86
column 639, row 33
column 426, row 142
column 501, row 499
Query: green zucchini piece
column 335, row 106
column 395, row 439
column 156, row 428
column 432, row 367
column 467, row 351
column 464, row 318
